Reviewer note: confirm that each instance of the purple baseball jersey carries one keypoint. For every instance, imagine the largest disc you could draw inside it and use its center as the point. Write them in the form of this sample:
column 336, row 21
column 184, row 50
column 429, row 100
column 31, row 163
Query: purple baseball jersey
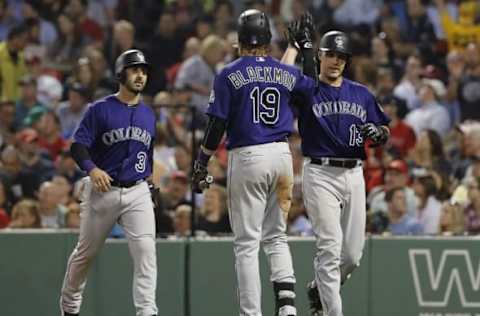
column 328, row 124
column 253, row 95
column 119, row 138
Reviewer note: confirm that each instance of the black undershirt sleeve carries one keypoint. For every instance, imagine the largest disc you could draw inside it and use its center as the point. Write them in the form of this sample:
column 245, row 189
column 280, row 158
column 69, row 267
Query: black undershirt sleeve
column 214, row 132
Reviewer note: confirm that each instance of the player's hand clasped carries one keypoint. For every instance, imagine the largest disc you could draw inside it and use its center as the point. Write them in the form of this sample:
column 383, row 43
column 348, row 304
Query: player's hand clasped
column 376, row 133
column 300, row 32
column 201, row 180
column 100, row 179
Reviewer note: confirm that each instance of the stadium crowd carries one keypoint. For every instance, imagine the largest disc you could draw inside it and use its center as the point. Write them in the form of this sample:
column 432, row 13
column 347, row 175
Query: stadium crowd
column 421, row 59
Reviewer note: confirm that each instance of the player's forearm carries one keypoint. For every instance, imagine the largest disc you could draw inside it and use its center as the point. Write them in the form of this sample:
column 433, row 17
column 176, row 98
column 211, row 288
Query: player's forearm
column 309, row 63
column 82, row 157
column 289, row 56
column 213, row 135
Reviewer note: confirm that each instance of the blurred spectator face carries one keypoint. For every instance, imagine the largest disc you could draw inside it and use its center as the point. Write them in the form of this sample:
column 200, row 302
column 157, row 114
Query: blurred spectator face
column 29, row 92
column 379, row 47
column 398, row 204
column 11, row 160
column 66, row 164
column 76, row 8
column 223, row 12
column 73, row 215
column 297, row 9
column 213, row 50
column 182, row 158
column 48, row 196
column 7, row 114
column 65, row 24
column 48, row 124
column 76, row 100
column 181, row 221
column 413, row 68
column 454, row 60
column 466, row 13
column 472, row 55
column 124, row 33
column 84, row 72
column 426, row 93
column 27, row 142
column 390, row 110
column 97, row 62
column 167, row 25
column 394, row 178
column 192, row 47
column 63, row 188
column 25, row 214
column 3, row 195
column 19, row 42
column 213, row 201
column 178, row 188
column 415, row 8
column 203, row 29
column 474, row 190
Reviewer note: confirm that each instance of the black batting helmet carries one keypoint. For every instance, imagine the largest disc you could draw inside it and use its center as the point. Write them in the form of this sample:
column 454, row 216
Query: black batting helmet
column 254, row 28
column 129, row 58
column 335, row 41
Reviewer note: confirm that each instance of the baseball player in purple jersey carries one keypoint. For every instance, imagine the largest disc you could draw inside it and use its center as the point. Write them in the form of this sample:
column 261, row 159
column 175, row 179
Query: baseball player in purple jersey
column 114, row 145
column 250, row 100
column 334, row 124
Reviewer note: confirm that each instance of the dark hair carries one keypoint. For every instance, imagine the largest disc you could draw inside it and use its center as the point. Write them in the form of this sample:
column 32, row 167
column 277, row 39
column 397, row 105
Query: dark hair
column 18, row 30
column 428, row 182
column 390, row 193
column 436, row 144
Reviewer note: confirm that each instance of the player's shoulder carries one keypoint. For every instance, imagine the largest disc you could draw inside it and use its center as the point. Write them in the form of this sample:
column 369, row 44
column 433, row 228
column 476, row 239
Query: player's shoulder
column 358, row 86
column 102, row 102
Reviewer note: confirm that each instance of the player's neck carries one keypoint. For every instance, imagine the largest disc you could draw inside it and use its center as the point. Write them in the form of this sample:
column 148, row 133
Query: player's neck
column 337, row 82
column 128, row 97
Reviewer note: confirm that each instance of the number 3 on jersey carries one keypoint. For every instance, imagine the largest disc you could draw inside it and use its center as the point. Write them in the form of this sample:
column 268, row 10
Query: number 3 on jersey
column 141, row 163
column 266, row 105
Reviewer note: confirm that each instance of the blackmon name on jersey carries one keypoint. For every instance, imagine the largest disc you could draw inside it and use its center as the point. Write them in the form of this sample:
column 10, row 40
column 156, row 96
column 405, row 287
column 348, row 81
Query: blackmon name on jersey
column 263, row 74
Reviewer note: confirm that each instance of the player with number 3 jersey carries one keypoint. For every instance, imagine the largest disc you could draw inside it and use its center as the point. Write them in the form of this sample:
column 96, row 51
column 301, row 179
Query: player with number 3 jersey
column 114, row 145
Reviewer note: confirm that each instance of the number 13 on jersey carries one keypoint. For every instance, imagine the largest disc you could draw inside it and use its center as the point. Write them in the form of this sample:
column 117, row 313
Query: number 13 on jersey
column 266, row 105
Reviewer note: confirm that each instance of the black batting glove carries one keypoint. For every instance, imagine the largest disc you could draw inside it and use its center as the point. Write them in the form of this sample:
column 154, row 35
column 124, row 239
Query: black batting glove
column 299, row 36
column 201, row 180
column 377, row 134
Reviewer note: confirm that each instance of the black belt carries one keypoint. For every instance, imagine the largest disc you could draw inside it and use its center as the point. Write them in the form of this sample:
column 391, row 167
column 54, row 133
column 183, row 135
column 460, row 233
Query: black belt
column 344, row 163
column 125, row 184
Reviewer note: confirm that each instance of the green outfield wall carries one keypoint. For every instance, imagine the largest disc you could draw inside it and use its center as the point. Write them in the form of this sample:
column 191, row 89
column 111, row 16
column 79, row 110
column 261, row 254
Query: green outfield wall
column 397, row 277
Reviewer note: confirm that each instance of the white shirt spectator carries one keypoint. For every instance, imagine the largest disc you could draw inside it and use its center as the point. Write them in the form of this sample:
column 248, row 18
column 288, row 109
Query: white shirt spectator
column 429, row 116
column 429, row 216
column 69, row 120
column 405, row 90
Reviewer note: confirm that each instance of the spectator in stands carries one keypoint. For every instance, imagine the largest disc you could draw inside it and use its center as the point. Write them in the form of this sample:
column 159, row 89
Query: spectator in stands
column 72, row 110
column 47, row 32
column 52, row 212
column 122, row 39
column 431, row 114
column 182, row 220
column 396, row 176
column 103, row 82
column 429, row 207
column 63, row 54
column 407, row 88
column 90, row 30
column 402, row 137
column 37, row 165
column 383, row 54
column 7, row 121
column 83, row 74
column 64, row 189
column 466, row 145
column 469, row 85
column 223, row 17
column 4, row 207
column 458, row 33
column 472, row 211
column 198, row 72
column 25, row 214
column 72, row 218
column 175, row 192
column 28, row 99
column 183, row 159
column 7, row 21
column 192, row 48
column 452, row 220
column 10, row 173
column 455, row 68
column 12, row 63
column 47, row 125
column 66, row 167
column 400, row 221
column 213, row 218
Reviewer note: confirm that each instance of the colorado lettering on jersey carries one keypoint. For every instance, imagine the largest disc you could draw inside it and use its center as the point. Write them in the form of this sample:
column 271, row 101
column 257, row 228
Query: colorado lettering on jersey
column 262, row 74
column 340, row 107
column 121, row 134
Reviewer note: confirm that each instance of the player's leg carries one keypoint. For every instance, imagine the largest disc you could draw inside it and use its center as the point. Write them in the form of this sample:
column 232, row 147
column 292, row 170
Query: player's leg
column 353, row 223
column 138, row 221
column 274, row 238
column 322, row 187
column 247, row 190
column 99, row 212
